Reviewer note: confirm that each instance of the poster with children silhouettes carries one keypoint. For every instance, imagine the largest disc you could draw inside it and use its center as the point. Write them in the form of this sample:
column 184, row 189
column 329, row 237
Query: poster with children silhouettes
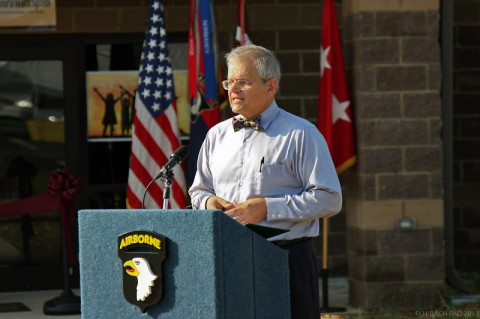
column 111, row 101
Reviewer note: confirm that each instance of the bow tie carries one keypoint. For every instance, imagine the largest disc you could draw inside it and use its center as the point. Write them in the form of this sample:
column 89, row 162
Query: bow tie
column 241, row 122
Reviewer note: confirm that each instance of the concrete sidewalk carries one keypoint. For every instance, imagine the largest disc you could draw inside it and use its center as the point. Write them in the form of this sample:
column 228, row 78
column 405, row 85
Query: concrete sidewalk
column 34, row 301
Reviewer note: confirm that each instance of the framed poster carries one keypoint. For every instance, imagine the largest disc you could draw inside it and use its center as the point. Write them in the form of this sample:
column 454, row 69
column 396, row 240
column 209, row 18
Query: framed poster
column 111, row 100
column 110, row 103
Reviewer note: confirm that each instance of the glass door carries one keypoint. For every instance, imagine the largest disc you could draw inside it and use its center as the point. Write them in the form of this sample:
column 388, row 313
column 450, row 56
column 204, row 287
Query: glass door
column 32, row 146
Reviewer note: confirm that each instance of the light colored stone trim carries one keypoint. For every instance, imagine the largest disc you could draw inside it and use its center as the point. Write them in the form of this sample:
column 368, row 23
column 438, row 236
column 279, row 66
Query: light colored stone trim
column 373, row 215
column 355, row 6
column 428, row 212
column 383, row 215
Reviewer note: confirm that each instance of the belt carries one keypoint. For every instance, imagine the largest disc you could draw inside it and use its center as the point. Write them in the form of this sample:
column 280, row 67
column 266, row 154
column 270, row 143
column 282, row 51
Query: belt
column 285, row 243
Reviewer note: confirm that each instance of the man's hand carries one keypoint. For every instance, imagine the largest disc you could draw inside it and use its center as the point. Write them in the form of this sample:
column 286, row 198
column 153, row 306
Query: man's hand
column 250, row 211
column 215, row 202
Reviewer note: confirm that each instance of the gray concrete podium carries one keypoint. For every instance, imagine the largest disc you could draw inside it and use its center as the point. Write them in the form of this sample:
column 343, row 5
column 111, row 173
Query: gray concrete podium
column 214, row 267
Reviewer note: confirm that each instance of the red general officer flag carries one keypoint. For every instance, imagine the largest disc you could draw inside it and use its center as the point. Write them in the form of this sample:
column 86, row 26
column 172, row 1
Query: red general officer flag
column 155, row 134
column 335, row 120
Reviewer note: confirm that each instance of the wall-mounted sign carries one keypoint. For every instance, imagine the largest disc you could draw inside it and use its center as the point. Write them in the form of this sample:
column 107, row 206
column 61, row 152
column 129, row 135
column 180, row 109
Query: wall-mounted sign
column 142, row 254
column 27, row 13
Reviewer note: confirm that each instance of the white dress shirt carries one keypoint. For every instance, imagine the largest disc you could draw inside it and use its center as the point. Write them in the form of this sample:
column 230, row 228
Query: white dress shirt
column 287, row 162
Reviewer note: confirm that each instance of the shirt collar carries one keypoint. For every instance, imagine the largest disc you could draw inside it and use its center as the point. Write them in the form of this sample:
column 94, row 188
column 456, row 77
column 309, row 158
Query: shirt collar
column 268, row 114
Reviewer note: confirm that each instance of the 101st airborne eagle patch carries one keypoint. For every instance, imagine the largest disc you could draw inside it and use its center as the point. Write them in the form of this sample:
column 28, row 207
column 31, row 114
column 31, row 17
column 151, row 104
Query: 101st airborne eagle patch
column 142, row 254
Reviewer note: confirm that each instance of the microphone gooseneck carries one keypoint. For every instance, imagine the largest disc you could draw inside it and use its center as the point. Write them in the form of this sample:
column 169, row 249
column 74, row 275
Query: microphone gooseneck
column 176, row 158
column 166, row 173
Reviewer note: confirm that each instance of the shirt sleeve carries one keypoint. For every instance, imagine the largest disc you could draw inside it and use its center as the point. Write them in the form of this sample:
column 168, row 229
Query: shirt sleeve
column 321, row 195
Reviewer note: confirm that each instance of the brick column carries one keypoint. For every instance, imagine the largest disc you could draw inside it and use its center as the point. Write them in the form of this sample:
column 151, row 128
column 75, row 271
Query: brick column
column 393, row 61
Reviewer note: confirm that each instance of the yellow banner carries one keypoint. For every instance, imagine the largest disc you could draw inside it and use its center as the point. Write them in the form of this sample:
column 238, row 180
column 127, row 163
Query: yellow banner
column 27, row 13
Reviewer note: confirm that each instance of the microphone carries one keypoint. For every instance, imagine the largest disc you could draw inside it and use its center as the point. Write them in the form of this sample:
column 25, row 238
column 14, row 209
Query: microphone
column 176, row 158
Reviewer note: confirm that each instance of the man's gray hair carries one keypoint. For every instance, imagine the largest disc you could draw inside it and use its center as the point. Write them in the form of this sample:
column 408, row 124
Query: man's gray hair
column 265, row 61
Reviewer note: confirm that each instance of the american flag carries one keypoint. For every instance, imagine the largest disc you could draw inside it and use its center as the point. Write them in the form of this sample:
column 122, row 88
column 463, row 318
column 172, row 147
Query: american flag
column 155, row 134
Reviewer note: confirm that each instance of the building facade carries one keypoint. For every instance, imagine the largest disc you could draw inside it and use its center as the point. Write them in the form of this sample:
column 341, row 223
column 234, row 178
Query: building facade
column 412, row 68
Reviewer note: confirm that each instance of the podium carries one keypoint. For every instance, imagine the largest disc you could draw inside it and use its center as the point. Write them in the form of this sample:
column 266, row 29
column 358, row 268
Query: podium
column 214, row 267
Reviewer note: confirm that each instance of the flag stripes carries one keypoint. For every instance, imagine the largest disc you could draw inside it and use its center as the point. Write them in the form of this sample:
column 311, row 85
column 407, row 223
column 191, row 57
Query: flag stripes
column 155, row 133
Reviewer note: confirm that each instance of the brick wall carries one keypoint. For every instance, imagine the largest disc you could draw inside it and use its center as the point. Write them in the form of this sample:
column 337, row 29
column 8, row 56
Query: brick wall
column 467, row 134
column 394, row 61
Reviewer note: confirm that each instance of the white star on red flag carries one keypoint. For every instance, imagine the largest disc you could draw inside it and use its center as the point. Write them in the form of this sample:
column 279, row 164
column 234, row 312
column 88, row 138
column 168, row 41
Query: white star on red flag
column 324, row 60
column 335, row 120
column 339, row 110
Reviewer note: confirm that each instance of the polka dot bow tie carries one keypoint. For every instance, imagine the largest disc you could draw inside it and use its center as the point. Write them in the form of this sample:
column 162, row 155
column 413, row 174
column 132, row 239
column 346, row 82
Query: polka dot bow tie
column 241, row 122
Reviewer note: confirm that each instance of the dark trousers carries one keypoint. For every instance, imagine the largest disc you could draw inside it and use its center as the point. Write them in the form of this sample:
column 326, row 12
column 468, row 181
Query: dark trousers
column 304, row 290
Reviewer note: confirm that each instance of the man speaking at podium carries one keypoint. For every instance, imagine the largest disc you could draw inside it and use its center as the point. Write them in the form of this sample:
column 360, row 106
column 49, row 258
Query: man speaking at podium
column 269, row 167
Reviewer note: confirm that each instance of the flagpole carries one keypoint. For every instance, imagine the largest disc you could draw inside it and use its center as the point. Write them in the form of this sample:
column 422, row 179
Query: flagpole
column 337, row 129
column 325, row 307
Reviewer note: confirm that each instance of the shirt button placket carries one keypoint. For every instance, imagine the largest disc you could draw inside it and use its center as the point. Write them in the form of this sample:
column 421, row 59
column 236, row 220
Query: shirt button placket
column 239, row 175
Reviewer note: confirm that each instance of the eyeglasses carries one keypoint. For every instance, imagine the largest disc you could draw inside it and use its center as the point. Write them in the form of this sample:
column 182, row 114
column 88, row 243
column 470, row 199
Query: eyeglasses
column 241, row 84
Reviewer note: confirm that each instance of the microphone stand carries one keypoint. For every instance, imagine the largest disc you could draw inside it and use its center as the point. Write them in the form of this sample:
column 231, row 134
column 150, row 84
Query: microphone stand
column 168, row 180
column 67, row 303
column 166, row 174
